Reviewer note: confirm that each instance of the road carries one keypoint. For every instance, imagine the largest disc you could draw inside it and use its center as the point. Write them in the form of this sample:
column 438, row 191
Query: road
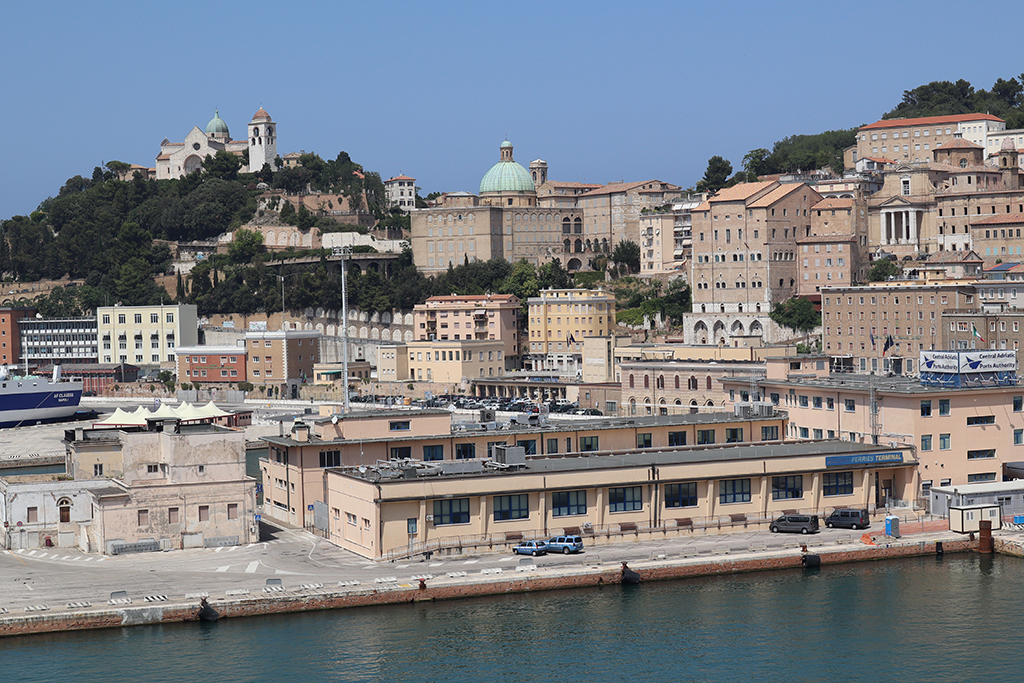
column 56, row 577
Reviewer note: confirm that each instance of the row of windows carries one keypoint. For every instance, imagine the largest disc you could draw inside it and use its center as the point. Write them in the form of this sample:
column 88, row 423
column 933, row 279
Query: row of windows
column 630, row 498
column 174, row 515
column 153, row 318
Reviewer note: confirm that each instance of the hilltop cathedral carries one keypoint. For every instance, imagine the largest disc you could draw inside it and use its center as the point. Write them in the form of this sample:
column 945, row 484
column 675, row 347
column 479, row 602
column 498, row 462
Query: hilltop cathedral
column 177, row 159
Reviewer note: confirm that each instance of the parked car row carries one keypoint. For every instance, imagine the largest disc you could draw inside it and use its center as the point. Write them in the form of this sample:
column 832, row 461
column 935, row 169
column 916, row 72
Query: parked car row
column 557, row 544
column 808, row 524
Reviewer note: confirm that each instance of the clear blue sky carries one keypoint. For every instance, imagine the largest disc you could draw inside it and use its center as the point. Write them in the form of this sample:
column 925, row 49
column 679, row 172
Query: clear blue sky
column 603, row 91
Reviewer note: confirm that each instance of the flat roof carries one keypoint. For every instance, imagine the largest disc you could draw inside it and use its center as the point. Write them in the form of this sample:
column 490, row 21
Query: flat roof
column 979, row 489
column 855, row 382
column 591, row 424
column 683, row 455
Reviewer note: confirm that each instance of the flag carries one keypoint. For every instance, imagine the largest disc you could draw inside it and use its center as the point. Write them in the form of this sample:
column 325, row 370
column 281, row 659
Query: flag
column 974, row 330
column 571, row 340
column 872, row 340
column 889, row 343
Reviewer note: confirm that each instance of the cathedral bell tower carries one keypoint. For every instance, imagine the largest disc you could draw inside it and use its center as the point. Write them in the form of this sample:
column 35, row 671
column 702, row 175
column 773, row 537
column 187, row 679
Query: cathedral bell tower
column 262, row 141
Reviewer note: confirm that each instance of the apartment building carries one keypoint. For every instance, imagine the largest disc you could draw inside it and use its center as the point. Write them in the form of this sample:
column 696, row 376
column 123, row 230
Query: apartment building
column 378, row 515
column 401, row 192
column 211, row 364
column 560, row 321
column 441, row 361
column 913, row 140
column 145, row 335
column 293, row 472
column 994, row 327
column 858, row 322
column 964, row 432
column 281, row 360
column 479, row 317
column 666, row 234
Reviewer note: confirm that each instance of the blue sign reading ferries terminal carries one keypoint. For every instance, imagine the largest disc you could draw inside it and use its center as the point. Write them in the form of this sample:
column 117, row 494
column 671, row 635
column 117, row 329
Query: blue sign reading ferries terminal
column 863, row 459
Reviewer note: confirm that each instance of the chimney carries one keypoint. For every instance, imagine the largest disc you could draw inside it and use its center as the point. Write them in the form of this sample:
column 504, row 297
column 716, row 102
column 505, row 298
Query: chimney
column 300, row 430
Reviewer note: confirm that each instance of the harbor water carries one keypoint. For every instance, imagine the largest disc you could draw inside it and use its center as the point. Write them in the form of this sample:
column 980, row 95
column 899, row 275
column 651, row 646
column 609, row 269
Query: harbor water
column 954, row 618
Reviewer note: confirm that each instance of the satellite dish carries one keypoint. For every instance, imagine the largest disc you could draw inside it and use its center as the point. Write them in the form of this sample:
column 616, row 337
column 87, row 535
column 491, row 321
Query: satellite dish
column 334, row 419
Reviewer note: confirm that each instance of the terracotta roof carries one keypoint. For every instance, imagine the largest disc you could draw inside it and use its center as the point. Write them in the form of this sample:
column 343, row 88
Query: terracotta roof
column 881, row 160
column 929, row 121
column 261, row 113
column 741, row 192
column 953, row 257
column 473, row 298
column 1000, row 219
column 400, row 177
column 958, row 143
column 775, row 195
column 557, row 183
column 163, row 157
column 833, row 203
column 612, row 188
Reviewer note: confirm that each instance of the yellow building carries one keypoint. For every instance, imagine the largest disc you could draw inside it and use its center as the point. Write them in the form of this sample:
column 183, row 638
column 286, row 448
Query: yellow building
column 560, row 321
column 145, row 335
column 446, row 361
column 293, row 472
column 394, row 511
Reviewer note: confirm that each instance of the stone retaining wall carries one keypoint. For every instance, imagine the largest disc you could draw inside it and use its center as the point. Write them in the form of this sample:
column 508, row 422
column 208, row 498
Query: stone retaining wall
column 465, row 586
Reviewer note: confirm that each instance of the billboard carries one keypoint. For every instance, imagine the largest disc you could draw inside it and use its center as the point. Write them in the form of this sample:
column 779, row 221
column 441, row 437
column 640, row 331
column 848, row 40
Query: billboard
column 258, row 326
column 967, row 362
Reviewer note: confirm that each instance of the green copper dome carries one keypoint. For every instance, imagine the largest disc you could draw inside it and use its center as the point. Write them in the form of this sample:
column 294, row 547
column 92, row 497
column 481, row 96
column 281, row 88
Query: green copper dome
column 216, row 124
column 507, row 175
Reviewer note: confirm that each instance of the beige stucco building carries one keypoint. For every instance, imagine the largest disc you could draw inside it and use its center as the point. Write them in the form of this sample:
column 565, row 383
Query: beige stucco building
column 603, row 497
column 560, row 321
column 913, row 140
column 293, row 472
column 145, row 335
column 165, row 487
column 479, row 317
column 961, row 435
column 858, row 321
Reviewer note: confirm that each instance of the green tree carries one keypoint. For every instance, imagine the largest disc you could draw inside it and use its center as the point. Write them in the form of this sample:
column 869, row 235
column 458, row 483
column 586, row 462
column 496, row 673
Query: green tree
column 796, row 314
column 245, row 246
column 716, row 176
column 756, row 162
column 223, row 165
column 885, row 269
column 626, row 257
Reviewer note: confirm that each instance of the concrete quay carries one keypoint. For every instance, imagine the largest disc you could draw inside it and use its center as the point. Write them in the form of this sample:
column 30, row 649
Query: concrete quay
column 293, row 571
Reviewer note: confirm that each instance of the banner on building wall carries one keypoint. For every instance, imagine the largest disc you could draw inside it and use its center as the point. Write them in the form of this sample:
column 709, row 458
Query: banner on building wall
column 967, row 362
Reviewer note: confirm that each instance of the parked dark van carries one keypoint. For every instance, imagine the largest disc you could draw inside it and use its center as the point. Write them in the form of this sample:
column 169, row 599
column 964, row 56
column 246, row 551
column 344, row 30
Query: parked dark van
column 803, row 524
column 848, row 519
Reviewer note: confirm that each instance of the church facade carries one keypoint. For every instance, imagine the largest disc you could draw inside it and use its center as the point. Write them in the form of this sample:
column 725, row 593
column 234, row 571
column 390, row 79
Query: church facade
column 177, row 159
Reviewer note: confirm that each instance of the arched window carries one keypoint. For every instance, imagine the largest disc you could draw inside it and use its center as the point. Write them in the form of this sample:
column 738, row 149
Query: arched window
column 631, row 385
column 64, row 505
column 693, row 406
column 632, row 406
column 692, row 383
column 661, row 381
column 708, row 383
column 677, row 381
column 647, row 382
column 710, row 403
